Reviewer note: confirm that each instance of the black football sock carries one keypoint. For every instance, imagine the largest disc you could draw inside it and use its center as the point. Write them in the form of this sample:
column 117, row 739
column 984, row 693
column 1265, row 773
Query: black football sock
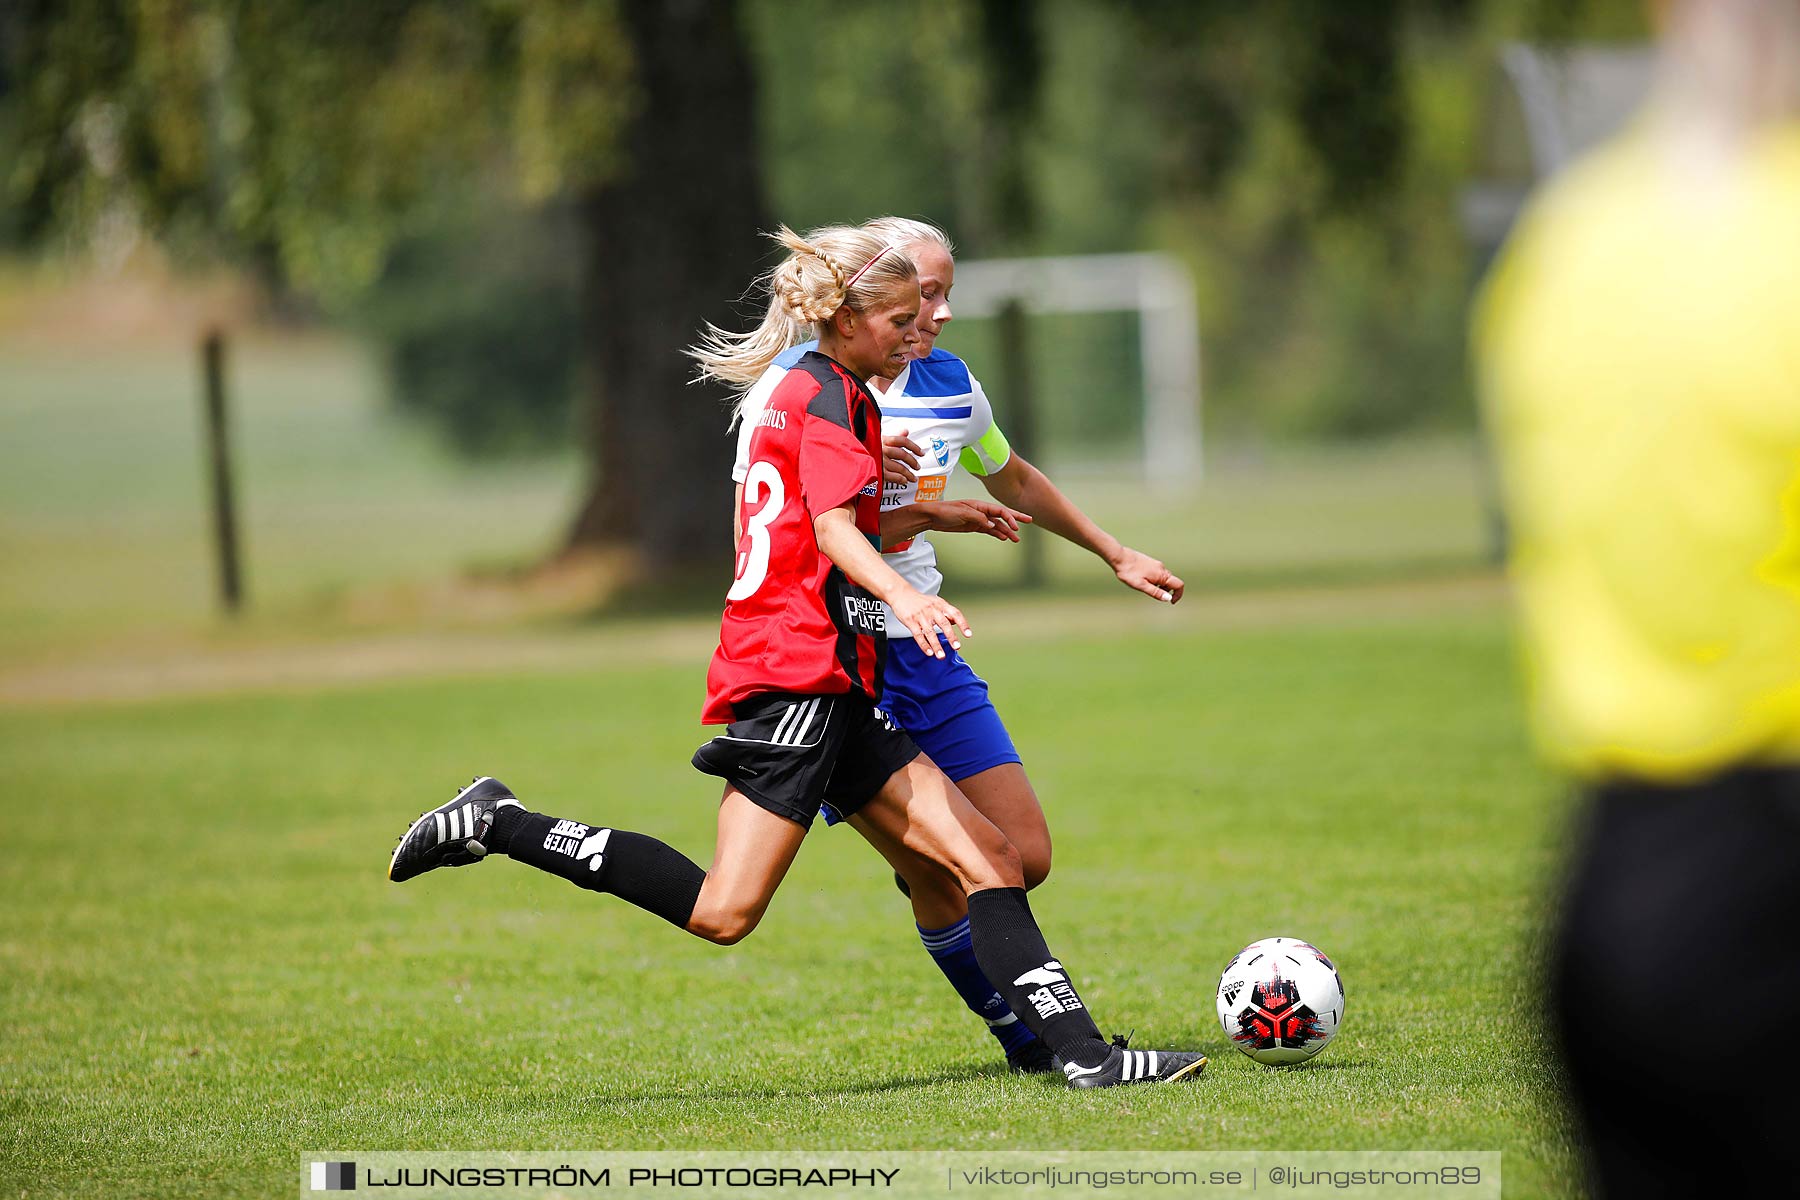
column 637, row 869
column 1011, row 950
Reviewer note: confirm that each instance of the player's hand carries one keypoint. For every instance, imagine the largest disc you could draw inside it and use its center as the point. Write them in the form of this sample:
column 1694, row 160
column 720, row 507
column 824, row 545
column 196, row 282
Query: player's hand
column 899, row 458
column 978, row 516
column 927, row 617
column 1147, row 575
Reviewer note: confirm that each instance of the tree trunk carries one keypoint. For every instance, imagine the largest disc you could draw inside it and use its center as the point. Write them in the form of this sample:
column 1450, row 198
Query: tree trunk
column 670, row 244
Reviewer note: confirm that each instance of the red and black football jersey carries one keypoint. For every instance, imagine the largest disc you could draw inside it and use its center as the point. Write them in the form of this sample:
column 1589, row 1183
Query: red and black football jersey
column 793, row 621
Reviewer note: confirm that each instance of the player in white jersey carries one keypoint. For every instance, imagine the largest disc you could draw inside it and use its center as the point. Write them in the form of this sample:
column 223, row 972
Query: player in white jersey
column 935, row 420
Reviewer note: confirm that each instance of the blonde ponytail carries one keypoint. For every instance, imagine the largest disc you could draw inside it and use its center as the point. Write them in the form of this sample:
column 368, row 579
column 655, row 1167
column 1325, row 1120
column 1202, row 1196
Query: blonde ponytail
column 823, row 271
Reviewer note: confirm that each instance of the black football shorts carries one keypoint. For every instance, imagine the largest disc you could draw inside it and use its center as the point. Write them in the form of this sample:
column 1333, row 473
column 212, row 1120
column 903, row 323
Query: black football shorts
column 788, row 753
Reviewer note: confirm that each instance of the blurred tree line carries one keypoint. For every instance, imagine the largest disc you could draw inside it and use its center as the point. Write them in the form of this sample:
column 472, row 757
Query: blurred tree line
column 533, row 205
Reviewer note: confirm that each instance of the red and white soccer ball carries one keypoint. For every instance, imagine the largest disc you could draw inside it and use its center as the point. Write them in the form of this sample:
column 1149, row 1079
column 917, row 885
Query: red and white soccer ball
column 1280, row 1000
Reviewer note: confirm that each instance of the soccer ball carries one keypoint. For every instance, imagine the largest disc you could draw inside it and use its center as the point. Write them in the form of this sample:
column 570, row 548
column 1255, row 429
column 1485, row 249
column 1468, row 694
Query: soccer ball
column 1280, row 1000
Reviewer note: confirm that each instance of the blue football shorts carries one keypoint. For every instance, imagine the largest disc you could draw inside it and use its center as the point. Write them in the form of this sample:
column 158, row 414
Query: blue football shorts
column 943, row 706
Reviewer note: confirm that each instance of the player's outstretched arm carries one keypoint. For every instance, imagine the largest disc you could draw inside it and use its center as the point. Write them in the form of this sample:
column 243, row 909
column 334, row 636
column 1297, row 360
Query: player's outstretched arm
column 1024, row 487
column 926, row 616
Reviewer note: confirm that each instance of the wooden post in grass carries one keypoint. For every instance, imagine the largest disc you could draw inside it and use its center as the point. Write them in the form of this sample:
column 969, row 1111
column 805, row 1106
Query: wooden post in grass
column 231, row 588
column 1021, row 418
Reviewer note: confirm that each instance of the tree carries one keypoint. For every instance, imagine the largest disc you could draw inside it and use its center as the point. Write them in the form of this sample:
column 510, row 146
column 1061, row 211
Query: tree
column 673, row 241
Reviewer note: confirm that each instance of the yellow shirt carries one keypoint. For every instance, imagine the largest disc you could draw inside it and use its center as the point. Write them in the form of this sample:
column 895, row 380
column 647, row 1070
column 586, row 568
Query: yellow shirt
column 1639, row 352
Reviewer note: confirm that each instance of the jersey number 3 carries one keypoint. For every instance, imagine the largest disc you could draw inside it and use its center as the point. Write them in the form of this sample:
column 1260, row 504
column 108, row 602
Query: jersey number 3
column 753, row 564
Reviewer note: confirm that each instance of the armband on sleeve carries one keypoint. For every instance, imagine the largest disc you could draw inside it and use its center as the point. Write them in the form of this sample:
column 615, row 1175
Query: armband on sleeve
column 988, row 454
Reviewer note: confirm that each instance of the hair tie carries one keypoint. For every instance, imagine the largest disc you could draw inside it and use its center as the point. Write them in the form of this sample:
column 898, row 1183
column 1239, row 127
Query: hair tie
column 879, row 255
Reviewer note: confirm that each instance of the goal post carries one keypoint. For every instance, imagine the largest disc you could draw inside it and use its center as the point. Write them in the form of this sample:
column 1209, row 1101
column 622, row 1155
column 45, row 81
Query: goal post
column 1159, row 290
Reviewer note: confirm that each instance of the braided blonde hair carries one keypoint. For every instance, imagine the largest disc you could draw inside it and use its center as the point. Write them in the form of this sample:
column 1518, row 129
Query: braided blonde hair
column 823, row 271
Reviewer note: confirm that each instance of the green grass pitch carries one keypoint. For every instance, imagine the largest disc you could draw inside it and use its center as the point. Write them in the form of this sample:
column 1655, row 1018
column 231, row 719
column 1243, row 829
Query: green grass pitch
column 203, row 970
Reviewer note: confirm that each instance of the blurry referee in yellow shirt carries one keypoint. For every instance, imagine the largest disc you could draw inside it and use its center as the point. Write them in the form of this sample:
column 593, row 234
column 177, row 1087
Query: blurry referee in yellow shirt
column 1639, row 352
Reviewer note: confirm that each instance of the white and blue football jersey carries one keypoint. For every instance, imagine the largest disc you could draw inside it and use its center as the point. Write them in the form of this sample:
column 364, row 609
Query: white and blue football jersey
column 937, row 402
